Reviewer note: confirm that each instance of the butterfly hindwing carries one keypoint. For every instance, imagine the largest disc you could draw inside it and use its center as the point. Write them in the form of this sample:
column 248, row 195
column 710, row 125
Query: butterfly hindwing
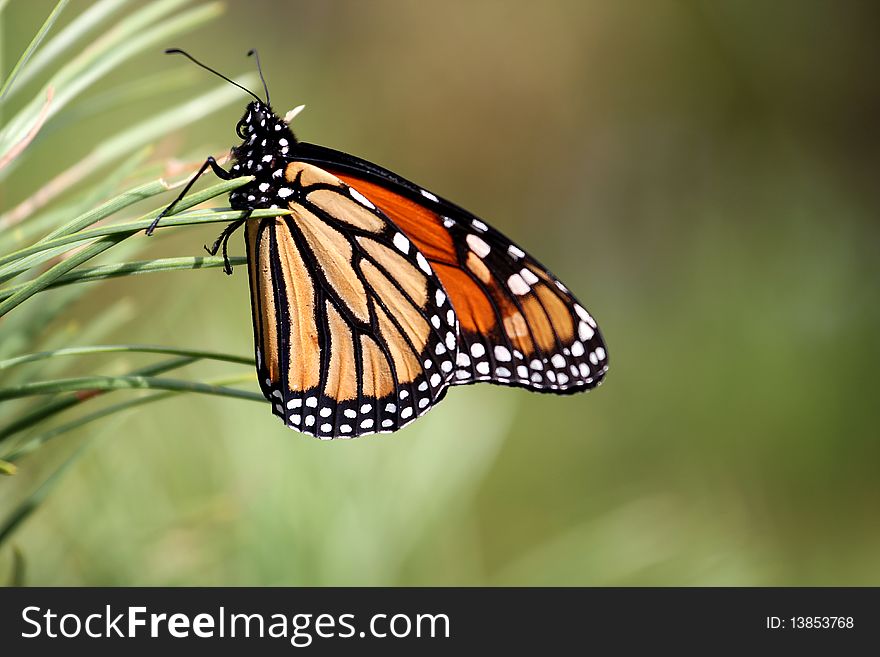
column 354, row 332
column 519, row 325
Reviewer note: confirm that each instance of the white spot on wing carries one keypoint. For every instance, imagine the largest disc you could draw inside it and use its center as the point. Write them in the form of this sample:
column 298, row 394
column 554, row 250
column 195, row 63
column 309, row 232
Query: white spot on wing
column 360, row 198
column 517, row 285
column 502, row 353
column 585, row 332
column 478, row 246
column 401, row 242
column 450, row 340
column 515, row 251
column 423, row 263
column 428, row 195
column 528, row 276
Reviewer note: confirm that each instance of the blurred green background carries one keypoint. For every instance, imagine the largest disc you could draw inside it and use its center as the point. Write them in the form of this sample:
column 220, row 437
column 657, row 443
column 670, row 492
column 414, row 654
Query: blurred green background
column 703, row 175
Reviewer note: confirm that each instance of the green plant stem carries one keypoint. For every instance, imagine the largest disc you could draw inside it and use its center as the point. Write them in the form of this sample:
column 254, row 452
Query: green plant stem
column 41, row 439
column 114, row 205
column 126, row 348
column 54, row 406
column 102, row 272
column 34, row 44
column 45, row 279
column 196, row 217
column 130, row 36
column 93, row 383
column 78, row 27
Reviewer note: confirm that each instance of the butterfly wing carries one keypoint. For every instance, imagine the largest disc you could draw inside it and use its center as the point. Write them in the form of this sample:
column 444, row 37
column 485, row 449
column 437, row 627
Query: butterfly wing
column 353, row 331
column 519, row 325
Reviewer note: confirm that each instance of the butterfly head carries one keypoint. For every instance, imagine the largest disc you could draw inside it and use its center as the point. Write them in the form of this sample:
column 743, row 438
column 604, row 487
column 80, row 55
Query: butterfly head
column 258, row 119
column 263, row 130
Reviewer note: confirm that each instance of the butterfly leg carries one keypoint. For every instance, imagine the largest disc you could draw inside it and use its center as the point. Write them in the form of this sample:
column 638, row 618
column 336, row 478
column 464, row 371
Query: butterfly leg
column 223, row 240
column 219, row 171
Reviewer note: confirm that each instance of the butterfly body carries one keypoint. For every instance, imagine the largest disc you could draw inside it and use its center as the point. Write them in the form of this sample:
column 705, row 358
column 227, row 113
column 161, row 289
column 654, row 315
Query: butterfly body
column 373, row 295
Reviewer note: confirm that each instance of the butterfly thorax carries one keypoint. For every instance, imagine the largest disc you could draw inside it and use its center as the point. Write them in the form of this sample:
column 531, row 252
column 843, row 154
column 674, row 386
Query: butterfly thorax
column 264, row 153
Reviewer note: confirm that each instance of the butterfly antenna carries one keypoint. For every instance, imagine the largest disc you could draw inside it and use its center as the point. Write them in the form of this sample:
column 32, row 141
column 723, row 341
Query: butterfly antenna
column 256, row 55
column 178, row 51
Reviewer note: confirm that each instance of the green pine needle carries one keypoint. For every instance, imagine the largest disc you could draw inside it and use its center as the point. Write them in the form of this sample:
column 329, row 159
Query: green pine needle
column 72, row 216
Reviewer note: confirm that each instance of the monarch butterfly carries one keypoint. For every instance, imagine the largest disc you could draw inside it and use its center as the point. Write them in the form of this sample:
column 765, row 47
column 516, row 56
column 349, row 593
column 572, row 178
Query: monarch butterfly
column 374, row 295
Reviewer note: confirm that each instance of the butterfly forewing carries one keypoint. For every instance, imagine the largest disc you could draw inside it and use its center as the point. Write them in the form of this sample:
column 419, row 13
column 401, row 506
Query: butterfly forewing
column 354, row 333
column 519, row 325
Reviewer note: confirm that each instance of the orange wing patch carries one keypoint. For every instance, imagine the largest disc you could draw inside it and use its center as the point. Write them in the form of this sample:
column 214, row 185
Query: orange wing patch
column 419, row 224
column 303, row 372
column 425, row 229
column 342, row 373
column 334, row 253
